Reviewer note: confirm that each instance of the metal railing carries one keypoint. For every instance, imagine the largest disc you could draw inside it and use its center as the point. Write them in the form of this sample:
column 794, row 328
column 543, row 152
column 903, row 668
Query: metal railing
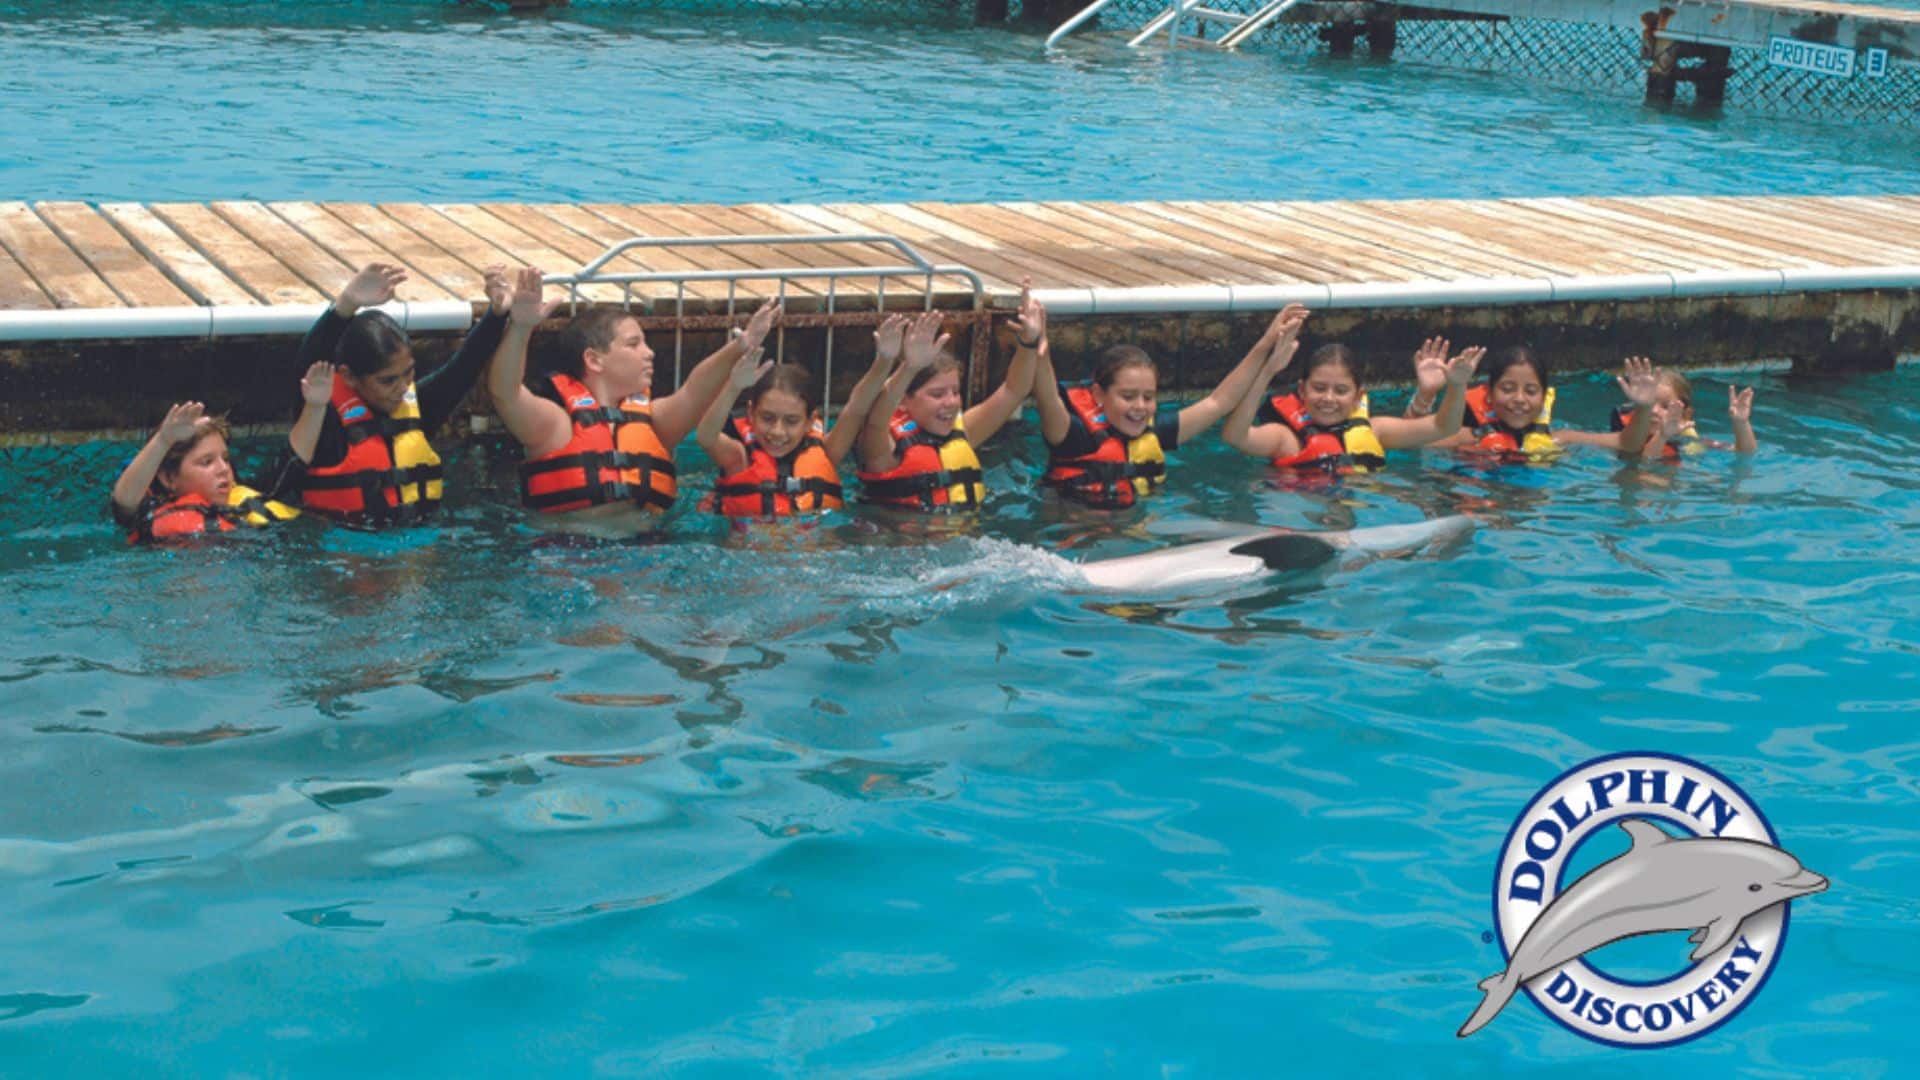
column 1242, row 25
column 912, row 266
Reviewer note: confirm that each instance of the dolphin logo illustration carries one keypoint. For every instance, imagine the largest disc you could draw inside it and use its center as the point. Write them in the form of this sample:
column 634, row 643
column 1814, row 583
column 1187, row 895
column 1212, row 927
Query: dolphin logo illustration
column 1705, row 885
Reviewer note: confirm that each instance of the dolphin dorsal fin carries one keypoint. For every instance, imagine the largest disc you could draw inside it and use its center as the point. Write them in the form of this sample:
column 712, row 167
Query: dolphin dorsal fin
column 1645, row 833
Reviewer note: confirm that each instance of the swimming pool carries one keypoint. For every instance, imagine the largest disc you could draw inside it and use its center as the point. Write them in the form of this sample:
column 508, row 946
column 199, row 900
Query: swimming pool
column 853, row 800
column 845, row 799
column 419, row 100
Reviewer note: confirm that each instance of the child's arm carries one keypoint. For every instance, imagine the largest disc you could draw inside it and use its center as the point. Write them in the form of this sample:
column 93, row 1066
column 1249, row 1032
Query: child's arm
column 985, row 419
column 1267, row 440
column 1643, row 389
column 1429, row 425
column 130, row 490
column 728, row 455
column 675, row 414
column 1740, row 412
column 1429, row 378
column 877, row 453
column 1204, row 413
column 853, row 415
column 540, row 425
column 1054, row 417
column 316, row 390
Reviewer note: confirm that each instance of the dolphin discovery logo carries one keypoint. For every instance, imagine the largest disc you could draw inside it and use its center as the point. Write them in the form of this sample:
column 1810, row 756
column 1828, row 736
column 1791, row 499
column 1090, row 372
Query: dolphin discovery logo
column 1702, row 859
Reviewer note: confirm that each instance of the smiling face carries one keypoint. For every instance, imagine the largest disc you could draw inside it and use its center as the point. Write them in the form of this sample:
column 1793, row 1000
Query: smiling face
column 1517, row 395
column 625, row 367
column 936, row 405
column 1671, row 412
column 386, row 389
column 204, row 471
column 1129, row 400
column 1330, row 393
column 780, row 420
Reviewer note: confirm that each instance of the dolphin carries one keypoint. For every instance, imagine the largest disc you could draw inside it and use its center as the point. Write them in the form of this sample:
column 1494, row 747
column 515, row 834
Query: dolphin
column 1705, row 885
column 1266, row 551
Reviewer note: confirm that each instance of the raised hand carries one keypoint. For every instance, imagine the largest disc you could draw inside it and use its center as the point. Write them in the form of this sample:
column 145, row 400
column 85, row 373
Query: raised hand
column 1739, row 404
column 1030, row 323
column 764, row 319
column 922, row 346
column 1638, row 383
column 498, row 287
column 887, row 338
column 316, row 386
column 183, row 422
column 748, row 370
column 373, row 285
column 1459, row 370
column 1430, row 367
column 524, row 302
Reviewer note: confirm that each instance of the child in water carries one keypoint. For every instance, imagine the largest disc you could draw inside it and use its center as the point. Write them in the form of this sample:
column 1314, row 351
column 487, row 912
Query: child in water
column 778, row 460
column 372, row 464
column 598, row 446
column 1511, row 414
column 1673, row 433
column 1324, row 422
column 181, row 485
column 917, row 449
column 1106, row 443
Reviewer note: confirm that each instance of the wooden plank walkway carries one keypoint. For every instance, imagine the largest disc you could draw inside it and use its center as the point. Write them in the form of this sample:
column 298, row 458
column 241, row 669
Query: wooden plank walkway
column 63, row 255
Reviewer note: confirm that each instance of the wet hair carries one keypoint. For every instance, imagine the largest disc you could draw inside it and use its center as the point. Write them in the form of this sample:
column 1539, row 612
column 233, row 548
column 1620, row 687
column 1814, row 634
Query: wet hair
column 594, row 328
column 1508, row 359
column 1118, row 359
column 1676, row 382
column 942, row 364
column 1334, row 353
column 369, row 343
column 177, row 454
column 788, row 378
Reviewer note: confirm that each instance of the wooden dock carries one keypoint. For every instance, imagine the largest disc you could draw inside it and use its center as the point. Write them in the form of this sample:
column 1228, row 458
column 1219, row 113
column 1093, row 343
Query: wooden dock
column 66, row 255
column 1830, row 282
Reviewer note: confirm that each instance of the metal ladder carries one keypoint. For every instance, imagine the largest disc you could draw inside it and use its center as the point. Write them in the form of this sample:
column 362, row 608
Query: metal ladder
column 912, row 267
column 1242, row 25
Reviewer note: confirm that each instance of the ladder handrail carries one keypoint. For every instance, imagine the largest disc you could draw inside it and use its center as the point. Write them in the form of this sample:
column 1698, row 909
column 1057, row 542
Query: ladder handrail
column 1073, row 24
column 1255, row 21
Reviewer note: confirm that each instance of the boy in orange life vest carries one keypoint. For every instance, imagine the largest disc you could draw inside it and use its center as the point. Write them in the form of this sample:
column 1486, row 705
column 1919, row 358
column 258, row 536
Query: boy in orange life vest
column 373, row 464
column 596, row 446
column 1105, row 446
column 181, row 482
column 1324, row 423
column 776, row 461
column 922, row 456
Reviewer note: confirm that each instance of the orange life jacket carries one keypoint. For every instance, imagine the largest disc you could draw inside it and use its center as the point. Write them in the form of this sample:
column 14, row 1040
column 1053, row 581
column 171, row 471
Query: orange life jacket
column 1351, row 442
column 803, row 482
column 935, row 472
column 1534, row 439
column 1118, row 471
column 193, row 515
column 614, row 456
column 390, row 474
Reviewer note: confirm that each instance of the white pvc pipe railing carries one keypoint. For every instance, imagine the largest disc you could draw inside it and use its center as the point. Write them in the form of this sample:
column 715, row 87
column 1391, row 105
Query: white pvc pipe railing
column 275, row 320
column 1173, row 300
column 75, row 324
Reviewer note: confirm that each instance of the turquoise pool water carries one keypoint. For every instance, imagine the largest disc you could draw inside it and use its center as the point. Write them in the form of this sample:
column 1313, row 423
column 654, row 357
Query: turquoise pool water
column 424, row 99
column 470, row 799
column 848, row 800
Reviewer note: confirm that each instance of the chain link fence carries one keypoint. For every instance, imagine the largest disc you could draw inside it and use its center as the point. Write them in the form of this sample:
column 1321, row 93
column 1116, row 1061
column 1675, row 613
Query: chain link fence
column 1575, row 55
